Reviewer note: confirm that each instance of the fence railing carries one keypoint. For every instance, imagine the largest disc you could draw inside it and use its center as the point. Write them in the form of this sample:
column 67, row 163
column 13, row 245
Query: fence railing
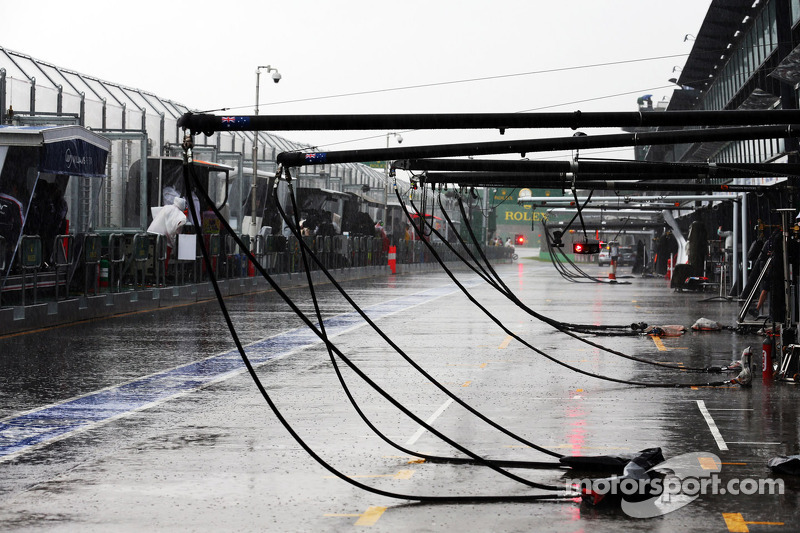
column 121, row 262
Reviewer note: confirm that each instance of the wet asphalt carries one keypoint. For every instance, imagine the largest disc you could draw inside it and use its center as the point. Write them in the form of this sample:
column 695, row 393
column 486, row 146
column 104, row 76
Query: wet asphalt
column 149, row 422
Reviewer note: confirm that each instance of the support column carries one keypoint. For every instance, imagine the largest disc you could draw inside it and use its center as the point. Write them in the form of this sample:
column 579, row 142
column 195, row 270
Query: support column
column 745, row 233
column 735, row 260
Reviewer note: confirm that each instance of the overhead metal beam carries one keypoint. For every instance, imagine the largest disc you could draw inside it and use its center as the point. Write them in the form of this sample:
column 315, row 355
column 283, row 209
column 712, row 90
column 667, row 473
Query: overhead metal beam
column 522, row 147
column 208, row 124
column 612, row 199
column 560, row 180
column 642, row 170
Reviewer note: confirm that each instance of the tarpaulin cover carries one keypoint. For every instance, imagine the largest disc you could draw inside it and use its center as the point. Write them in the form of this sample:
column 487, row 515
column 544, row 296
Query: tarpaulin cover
column 785, row 464
column 667, row 331
column 706, row 324
column 638, row 469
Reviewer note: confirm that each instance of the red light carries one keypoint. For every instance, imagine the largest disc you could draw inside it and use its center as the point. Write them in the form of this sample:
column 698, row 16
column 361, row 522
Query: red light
column 579, row 248
column 519, row 239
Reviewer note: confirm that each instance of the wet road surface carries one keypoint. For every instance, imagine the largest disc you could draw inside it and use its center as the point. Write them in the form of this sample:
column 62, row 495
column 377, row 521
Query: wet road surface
column 149, row 421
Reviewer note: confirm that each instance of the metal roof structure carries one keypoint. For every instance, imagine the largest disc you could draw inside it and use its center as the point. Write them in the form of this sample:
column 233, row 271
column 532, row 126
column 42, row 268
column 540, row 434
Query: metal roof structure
column 48, row 94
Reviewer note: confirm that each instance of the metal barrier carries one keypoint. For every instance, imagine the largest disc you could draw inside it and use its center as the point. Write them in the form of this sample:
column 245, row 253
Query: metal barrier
column 260, row 250
column 356, row 251
column 92, row 246
column 214, row 251
column 230, row 256
column 271, row 253
column 245, row 260
column 116, row 257
column 293, row 252
column 160, row 254
column 370, row 250
column 327, row 249
column 141, row 255
column 30, row 251
column 281, row 263
column 63, row 254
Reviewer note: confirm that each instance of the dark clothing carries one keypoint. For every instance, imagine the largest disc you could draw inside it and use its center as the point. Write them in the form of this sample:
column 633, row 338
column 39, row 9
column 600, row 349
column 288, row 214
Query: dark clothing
column 11, row 222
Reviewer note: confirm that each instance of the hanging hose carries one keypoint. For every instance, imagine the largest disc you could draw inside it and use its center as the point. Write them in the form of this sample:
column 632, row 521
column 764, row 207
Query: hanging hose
column 531, row 347
column 581, row 276
column 202, row 193
column 566, row 328
column 307, row 252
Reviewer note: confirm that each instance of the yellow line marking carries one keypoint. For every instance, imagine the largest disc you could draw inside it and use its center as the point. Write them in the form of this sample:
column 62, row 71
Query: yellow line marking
column 737, row 524
column 505, row 343
column 708, row 463
column 416, row 461
column 370, row 516
column 659, row 344
column 466, row 384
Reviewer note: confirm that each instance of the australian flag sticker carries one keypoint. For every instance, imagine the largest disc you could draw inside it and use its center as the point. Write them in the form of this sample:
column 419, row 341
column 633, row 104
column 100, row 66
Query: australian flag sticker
column 237, row 123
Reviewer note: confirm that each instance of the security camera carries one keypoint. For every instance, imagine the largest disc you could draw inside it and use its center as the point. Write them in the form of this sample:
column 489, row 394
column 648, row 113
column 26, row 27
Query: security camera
column 399, row 139
column 276, row 76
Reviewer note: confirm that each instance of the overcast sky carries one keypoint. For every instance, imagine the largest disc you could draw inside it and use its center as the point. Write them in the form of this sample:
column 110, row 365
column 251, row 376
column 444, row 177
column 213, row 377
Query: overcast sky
column 527, row 54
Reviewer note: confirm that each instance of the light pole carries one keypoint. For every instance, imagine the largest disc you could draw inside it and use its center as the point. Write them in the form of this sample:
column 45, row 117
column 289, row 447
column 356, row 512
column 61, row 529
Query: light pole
column 276, row 77
column 399, row 139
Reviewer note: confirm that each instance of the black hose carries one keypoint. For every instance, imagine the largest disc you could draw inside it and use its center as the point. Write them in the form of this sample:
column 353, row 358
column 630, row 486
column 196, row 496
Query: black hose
column 311, row 326
column 564, row 327
column 307, row 252
column 527, row 344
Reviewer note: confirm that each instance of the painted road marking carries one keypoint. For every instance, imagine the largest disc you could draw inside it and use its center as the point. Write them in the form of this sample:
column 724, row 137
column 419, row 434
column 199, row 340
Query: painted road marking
column 24, row 432
column 659, row 344
column 505, row 343
column 737, row 524
column 367, row 518
column 421, row 431
column 401, row 474
column 749, row 442
column 711, row 425
column 467, row 384
column 708, row 463
column 370, row 516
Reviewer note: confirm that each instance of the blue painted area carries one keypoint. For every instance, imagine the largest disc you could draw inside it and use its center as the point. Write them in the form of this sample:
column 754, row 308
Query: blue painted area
column 22, row 432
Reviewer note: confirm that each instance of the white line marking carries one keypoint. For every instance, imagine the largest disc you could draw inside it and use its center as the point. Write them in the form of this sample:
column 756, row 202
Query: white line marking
column 746, row 442
column 711, row 425
column 421, row 431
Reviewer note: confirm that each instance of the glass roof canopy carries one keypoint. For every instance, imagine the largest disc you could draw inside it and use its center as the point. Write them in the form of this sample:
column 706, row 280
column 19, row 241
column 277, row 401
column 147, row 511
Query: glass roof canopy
column 46, row 93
